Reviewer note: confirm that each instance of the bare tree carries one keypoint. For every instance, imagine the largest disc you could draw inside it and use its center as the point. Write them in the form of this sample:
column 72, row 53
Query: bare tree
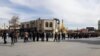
column 14, row 22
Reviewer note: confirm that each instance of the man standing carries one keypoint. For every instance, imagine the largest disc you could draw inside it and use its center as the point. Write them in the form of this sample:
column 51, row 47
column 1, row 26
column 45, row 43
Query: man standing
column 58, row 36
column 11, row 34
column 4, row 36
column 55, row 37
column 38, row 35
column 63, row 36
column 42, row 36
column 34, row 36
column 47, row 36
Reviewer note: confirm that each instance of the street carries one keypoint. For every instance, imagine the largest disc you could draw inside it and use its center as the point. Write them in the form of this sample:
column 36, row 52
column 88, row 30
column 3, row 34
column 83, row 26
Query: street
column 74, row 47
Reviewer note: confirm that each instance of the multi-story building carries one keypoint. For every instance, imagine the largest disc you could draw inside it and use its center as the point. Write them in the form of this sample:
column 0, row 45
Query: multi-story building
column 41, row 25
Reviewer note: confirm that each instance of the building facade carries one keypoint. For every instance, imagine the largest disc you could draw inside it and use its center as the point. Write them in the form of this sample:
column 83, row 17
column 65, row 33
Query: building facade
column 41, row 25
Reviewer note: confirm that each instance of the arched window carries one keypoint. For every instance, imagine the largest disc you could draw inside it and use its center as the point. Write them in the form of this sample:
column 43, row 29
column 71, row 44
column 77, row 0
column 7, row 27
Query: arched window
column 51, row 25
column 46, row 24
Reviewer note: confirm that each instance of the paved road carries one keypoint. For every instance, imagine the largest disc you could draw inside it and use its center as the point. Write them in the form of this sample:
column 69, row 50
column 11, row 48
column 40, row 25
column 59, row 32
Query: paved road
column 80, row 47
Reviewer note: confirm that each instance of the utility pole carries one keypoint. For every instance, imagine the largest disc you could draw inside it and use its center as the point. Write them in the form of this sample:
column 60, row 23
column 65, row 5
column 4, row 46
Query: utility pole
column 4, row 26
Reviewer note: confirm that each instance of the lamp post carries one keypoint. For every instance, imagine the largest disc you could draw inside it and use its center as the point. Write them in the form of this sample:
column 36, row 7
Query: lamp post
column 4, row 26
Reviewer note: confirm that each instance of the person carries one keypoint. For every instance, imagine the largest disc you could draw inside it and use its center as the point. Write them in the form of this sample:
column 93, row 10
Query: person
column 26, row 37
column 30, row 35
column 16, row 35
column 59, row 37
column 34, row 36
column 55, row 37
column 11, row 34
column 38, row 35
column 63, row 36
column 47, row 36
column 4, row 36
column 69, row 36
column 42, row 36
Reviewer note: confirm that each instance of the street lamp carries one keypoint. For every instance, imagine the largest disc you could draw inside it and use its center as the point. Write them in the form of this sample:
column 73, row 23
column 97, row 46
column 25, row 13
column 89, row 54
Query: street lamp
column 4, row 26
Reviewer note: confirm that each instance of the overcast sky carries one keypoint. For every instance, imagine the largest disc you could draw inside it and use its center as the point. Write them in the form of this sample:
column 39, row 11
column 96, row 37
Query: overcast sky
column 75, row 13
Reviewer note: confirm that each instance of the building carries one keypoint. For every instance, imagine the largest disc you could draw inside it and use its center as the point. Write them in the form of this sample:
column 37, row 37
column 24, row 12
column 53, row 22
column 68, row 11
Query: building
column 41, row 25
column 83, row 30
column 13, row 27
column 90, row 29
column 99, row 25
column 62, row 28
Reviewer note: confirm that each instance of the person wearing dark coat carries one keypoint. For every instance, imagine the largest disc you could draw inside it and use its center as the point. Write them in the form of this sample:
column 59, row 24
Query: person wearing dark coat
column 69, row 35
column 47, row 36
column 42, row 36
column 34, row 36
column 63, row 36
column 11, row 34
column 55, row 37
column 37, row 35
column 58, row 37
column 4, row 36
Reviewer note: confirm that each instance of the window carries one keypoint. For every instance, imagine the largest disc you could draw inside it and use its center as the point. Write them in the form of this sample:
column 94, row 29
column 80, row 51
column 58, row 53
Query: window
column 51, row 24
column 46, row 24
column 40, row 25
column 22, row 25
column 32, row 24
column 27, row 25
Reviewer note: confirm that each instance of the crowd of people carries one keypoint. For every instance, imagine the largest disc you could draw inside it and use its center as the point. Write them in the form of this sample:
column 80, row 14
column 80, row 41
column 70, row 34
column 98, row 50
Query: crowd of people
column 12, row 34
column 81, row 35
column 40, row 36
column 34, row 36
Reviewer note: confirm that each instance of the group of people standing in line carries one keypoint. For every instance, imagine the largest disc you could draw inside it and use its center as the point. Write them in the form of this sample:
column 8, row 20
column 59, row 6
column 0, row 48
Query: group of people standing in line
column 81, row 35
column 36, row 36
